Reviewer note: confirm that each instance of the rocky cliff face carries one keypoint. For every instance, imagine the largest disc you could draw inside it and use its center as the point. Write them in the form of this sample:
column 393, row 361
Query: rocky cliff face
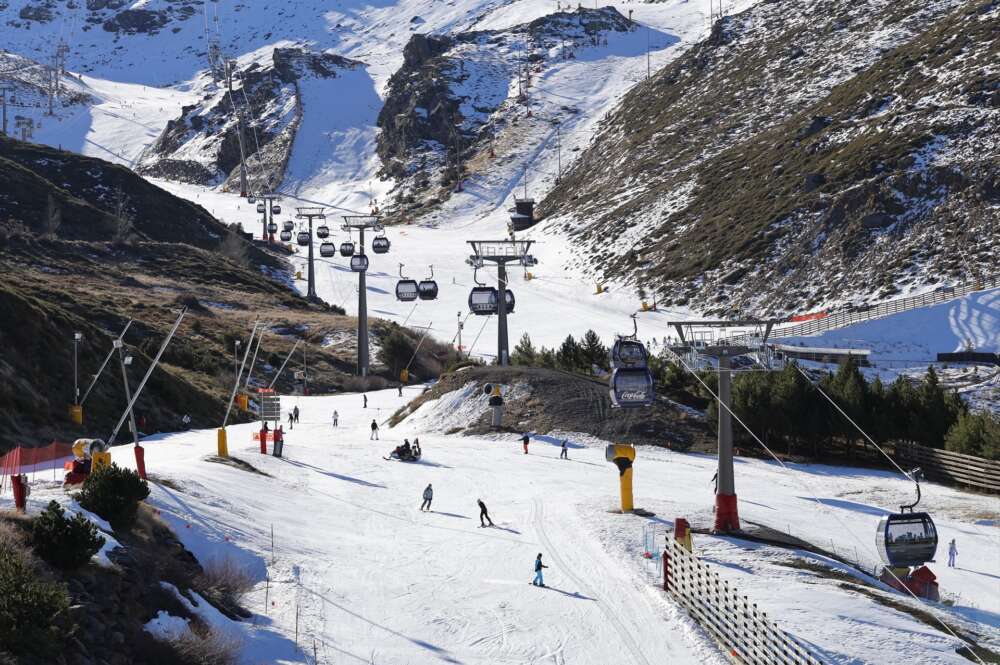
column 203, row 145
column 455, row 93
column 805, row 154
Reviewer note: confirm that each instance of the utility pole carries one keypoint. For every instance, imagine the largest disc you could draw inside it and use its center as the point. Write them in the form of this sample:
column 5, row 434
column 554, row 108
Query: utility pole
column 311, row 214
column 124, row 360
column 76, row 385
column 236, row 358
column 501, row 252
column 460, row 326
column 359, row 264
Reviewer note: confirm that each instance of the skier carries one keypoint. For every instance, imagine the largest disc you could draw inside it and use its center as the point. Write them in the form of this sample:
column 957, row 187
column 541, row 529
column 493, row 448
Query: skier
column 538, row 581
column 952, row 553
column 715, row 480
column 401, row 390
column 295, row 411
column 365, row 398
column 483, row 513
column 374, row 431
column 563, row 454
column 428, row 497
column 336, row 416
column 524, row 440
column 291, row 419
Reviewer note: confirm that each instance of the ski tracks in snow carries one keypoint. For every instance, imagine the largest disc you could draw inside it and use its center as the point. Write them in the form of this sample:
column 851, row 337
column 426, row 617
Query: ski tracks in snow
column 601, row 597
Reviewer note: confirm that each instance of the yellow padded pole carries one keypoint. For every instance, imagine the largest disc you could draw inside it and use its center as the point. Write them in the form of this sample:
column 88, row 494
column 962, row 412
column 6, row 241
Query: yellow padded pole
column 223, row 445
column 623, row 456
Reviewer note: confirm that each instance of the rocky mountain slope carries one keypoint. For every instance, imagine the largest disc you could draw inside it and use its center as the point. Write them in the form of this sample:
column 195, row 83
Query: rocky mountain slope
column 805, row 154
column 455, row 94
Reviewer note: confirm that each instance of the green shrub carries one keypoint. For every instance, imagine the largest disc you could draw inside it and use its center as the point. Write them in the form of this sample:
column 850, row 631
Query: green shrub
column 114, row 493
column 32, row 608
column 62, row 542
column 975, row 434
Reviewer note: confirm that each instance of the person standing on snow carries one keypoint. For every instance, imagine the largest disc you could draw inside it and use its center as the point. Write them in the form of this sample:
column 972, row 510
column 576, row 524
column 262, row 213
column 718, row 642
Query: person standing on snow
column 952, row 553
column 295, row 412
column 524, row 441
column 483, row 513
column 374, row 431
column 428, row 497
column 336, row 416
column 291, row 419
column 539, row 581
column 365, row 398
column 401, row 390
column 563, row 454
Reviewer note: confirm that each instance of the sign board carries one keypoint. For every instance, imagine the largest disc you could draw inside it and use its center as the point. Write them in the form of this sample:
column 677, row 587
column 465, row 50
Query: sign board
column 270, row 405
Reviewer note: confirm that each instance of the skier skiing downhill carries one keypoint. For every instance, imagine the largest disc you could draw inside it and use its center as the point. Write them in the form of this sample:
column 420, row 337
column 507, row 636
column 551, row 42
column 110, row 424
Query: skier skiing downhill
column 428, row 497
column 483, row 513
column 374, row 431
column 539, row 581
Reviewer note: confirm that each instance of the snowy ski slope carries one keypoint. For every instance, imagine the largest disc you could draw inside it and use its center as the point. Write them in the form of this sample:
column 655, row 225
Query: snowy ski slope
column 377, row 581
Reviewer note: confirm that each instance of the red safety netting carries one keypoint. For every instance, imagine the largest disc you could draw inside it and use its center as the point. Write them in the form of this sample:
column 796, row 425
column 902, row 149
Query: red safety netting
column 798, row 318
column 34, row 460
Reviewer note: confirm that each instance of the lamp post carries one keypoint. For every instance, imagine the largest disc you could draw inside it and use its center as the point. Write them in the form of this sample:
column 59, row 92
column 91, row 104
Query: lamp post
column 77, row 337
column 236, row 359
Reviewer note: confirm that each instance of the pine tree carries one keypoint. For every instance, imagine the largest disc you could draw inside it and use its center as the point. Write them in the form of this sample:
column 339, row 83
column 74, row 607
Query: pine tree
column 593, row 352
column 525, row 353
column 568, row 357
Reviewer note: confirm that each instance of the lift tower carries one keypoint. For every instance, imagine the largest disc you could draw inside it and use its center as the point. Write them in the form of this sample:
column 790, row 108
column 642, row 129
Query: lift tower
column 359, row 264
column 501, row 252
column 310, row 214
column 723, row 350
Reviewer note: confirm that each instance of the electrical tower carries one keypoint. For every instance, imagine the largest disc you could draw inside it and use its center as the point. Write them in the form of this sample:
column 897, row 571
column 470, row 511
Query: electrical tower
column 310, row 214
column 362, row 223
column 501, row 252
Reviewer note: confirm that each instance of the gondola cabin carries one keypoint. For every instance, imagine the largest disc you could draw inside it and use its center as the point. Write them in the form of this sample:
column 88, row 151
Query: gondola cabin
column 323, row 231
column 327, row 249
column 407, row 290
column 261, row 208
column 347, row 248
column 428, row 289
column 275, row 210
column 380, row 245
column 287, row 225
column 302, row 238
column 906, row 539
column 629, row 353
column 631, row 388
column 359, row 263
column 272, row 227
column 286, row 236
column 483, row 300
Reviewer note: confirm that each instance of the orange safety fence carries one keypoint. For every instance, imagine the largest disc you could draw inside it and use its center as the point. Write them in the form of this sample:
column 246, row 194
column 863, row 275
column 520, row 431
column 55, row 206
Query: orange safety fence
column 33, row 460
column 270, row 436
column 798, row 318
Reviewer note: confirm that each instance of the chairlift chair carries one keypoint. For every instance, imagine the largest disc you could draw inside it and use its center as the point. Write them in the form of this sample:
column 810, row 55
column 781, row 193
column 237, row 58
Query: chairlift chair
column 285, row 236
column 347, row 248
column 288, row 225
column 406, row 289
column 907, row 538
column 323, row 231
column 428, row 288
column 327, row 249
column 380, row 245
column 303, row 238
column 359, row 263
column 272, row 227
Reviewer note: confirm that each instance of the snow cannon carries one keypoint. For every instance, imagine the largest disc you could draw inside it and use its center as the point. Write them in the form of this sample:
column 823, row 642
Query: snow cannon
column 496, row 403
column 222, row 443
column 622, row 456
column 85, row 453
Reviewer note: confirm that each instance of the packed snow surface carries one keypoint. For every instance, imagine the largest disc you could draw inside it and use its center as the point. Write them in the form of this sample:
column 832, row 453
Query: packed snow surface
column 376, row 580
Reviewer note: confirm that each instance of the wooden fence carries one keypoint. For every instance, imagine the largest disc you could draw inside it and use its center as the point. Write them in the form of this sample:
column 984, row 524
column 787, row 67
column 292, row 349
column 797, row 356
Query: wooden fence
column 946, row 466
column 742, row 629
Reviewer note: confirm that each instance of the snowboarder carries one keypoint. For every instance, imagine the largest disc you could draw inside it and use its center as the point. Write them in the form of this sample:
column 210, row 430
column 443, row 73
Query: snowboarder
column 295, row 412
column 365, row 398
column 562, row 453
column 428, row 497
column 538, row 581
column 483, row 513
column 952, row 553
column 524, row 441
column 374, row 431
column 336, row 416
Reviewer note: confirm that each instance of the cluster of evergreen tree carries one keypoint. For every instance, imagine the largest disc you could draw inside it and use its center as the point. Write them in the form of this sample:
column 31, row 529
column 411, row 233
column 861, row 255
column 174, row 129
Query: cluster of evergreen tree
column 790, row 415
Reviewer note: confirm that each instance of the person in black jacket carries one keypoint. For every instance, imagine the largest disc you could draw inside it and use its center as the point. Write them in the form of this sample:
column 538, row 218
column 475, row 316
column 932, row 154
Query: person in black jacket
column 374, row 431
column 483, row 513
column 538, row 581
